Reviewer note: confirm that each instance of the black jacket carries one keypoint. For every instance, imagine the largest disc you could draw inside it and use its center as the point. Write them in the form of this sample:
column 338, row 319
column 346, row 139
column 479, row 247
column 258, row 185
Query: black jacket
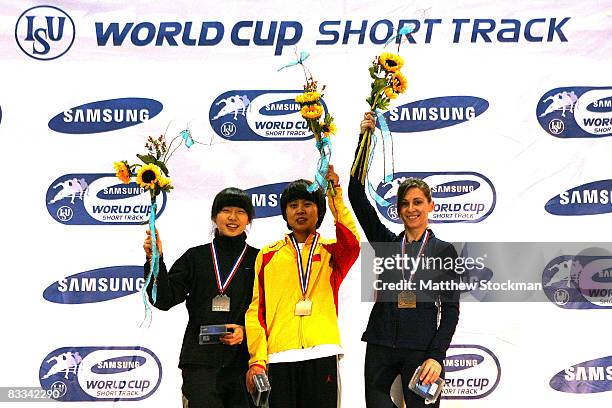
column 192, row 279
column 417, row 328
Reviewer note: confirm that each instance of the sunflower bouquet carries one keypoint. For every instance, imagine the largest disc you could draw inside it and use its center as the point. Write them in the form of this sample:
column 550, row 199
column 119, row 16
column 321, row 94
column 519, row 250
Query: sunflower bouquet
column 153, row 176
column 387, row 82
column 322, row 126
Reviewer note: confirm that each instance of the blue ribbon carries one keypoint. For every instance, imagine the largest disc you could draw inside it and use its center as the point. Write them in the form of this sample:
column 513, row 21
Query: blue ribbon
column 186, row 135
column 406, row 29
column 387, row 158
column 325, row 148
column 300, row 60
column 154, row 265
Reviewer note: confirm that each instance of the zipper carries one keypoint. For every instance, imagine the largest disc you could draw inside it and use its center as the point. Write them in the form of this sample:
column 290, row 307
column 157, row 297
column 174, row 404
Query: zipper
column 301, row 333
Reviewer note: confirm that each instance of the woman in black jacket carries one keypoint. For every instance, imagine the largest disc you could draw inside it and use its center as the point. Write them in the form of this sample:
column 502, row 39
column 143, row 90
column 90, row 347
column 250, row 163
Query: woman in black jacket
column 216, row 281
column 410, row 328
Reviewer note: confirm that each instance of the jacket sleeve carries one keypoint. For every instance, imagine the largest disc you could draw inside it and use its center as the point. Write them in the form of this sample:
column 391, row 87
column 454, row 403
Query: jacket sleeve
column 449, row 304
column 172, row 287
column 255, row 318
column 374, row 229
column 345, row 250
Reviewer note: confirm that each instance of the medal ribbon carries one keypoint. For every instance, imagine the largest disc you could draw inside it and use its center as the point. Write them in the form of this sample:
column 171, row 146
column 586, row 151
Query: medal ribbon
column 304, row 278
column 223, row 285
column 420, row 253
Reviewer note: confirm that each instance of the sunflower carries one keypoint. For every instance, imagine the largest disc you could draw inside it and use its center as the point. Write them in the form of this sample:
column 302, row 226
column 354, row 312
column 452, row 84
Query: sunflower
column 164, row 182
column 148, row 175
column 399, row 82
column 390, row 62
column 311, row 96
column 299, row 98
column 122, row 171
column 389, row 93
column 312, row 111
column 328, row 129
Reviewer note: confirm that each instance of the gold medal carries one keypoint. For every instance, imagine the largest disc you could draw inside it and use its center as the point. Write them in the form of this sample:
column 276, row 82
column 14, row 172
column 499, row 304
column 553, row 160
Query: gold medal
column 406, row 299
column 303, row 307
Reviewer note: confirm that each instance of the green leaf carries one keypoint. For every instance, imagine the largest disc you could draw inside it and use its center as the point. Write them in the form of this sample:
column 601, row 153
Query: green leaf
column 372, row 71
column 146, row 158
column 384, row 104
column 163, row 167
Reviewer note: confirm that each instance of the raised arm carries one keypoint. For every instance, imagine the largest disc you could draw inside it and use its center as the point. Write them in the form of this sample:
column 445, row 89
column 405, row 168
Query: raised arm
column 172, row 287
column 374, row 229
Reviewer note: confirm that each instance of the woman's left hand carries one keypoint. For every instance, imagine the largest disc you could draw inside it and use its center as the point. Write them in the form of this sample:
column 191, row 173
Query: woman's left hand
column 431, row 371
column 332, row 176
column 234, row 338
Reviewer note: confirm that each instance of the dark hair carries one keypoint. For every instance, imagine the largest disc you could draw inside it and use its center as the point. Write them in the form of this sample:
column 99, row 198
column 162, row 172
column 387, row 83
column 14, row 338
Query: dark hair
column 298, row 189
column 412, row 183
column 232, row 197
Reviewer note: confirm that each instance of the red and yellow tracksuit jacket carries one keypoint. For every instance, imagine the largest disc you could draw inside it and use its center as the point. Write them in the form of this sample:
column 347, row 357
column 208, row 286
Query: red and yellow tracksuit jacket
column 271, row 323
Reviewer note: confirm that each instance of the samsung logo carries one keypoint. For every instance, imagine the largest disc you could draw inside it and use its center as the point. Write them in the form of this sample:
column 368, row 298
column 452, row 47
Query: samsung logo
column 604, row 276
column 601, row 105
column 593, row 376
column 118, row 365
column 434, row 113
column 587, row 199
column 243, row 115
column 454, row 188
column 280, row 108
column 96, row 285
column 576, row 112
column 461, row 362
column 120, row 191
column 104, row 116
column 266, row 199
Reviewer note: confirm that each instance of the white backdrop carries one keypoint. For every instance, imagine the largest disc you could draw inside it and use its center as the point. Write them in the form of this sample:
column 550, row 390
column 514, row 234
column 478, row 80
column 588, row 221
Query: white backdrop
column 526, row 164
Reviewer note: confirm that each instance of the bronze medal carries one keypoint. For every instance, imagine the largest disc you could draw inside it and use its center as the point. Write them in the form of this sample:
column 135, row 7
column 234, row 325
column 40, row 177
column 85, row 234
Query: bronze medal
column 406, row 299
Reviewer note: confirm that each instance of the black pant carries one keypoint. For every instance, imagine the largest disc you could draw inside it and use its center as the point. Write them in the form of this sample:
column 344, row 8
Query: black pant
column 205, row 387
column 382, row 366
column 304, row 384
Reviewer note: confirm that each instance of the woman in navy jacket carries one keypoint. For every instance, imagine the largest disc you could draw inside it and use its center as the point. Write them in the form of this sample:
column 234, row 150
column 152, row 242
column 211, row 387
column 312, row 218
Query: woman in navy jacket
column 403, row 333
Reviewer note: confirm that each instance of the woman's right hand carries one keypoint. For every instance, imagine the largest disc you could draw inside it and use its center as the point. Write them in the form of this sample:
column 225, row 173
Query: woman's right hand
column 148, row 244
column 368, row 123
column 253, row 370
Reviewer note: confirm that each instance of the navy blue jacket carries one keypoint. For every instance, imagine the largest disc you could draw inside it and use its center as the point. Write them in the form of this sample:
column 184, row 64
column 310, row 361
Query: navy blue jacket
column 417, row 328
